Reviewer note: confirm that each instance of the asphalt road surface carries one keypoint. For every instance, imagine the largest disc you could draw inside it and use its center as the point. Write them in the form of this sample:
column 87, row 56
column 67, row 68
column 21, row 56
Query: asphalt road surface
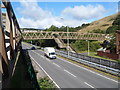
column 68, row 75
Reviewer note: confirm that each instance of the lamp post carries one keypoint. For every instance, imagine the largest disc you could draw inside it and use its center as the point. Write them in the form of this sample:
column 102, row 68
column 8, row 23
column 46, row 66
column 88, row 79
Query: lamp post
column 68, row 40
column 88, row 47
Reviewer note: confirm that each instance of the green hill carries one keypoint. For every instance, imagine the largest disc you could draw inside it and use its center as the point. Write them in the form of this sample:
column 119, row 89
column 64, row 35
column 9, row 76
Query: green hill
column 100, row 25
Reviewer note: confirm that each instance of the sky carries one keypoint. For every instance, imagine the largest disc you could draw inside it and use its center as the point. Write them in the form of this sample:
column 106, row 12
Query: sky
column 43, row 14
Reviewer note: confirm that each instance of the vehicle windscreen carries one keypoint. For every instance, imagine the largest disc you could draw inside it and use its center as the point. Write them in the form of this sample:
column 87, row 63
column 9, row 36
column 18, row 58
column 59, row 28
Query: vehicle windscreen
column 52, row 53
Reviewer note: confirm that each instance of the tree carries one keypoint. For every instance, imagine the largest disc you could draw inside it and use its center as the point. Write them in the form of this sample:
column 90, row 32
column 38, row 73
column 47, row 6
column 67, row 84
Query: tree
column 115, row 26
column 53, row 28
column 112, row 45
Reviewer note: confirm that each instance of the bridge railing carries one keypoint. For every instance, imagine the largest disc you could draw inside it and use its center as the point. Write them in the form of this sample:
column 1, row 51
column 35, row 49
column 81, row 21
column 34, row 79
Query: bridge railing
column 64, row 35
column 10, row 37
column 112, row 67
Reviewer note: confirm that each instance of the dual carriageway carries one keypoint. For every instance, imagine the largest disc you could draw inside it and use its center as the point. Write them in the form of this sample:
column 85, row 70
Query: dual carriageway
column 64, row 74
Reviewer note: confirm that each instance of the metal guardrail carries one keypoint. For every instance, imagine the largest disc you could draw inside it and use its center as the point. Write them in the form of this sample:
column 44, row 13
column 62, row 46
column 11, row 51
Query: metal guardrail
column 101, row 64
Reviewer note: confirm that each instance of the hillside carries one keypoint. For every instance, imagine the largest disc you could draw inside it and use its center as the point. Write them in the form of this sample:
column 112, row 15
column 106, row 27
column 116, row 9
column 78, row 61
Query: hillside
column 101, row 24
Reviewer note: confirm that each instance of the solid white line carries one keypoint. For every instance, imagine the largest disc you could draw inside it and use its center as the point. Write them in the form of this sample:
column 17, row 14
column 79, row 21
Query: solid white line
column 56, row 65
column 46, row 73
column 42, row 56
column 37, row 53
column 89, row 85
column 86, row 69
column 69, row 73
column 89, row 70
column 47, row 59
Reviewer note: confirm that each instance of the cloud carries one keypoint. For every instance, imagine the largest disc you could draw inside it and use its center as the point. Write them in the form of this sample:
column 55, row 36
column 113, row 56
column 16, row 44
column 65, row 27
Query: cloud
column 84, row 12
column 41, row 24
column 33, row 16
column 66, row 0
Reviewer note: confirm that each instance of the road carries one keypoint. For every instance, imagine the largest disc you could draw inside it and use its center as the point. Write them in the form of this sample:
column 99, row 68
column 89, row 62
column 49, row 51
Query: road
column 68, row 75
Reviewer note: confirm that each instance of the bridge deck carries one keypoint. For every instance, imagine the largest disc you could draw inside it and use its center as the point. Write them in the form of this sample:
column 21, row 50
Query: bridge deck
column 64, row 35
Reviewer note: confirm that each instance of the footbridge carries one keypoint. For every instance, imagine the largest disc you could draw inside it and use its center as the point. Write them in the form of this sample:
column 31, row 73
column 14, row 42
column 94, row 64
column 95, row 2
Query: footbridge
column 58, row 36
column 66, row 74
column 10, row 40
column 31, row 35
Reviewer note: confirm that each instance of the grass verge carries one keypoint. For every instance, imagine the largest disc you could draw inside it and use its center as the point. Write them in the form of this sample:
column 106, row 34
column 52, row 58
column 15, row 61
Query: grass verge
column 46, row 83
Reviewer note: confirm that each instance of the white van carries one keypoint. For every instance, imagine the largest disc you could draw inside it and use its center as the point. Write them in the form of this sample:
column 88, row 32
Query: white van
column 50, row 52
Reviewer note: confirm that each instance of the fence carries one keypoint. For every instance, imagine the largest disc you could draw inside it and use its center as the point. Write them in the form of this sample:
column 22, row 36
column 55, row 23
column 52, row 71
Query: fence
column 112, row 67
column 30, row 69
column 10, row 41
column 109, row 55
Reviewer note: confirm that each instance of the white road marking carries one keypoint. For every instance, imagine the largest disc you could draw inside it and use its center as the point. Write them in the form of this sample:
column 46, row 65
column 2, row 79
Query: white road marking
column 86, row 69
column 41, row 56
column 69, row 73
column 89, row 70
column 46, row 73
column 89, row 85
column 56, row 65
column 37, row 53
column 48, row 59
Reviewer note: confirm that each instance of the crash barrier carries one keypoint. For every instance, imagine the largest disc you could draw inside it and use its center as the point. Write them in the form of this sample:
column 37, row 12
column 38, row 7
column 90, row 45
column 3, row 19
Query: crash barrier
column 111, row 67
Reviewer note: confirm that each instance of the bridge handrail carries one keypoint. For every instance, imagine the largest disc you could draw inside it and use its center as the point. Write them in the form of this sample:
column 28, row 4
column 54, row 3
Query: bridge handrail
column 10, row 37
column 65, row 35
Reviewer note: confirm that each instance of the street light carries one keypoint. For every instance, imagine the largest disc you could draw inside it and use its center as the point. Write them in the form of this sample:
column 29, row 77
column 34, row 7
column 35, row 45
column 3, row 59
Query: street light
column 67, row 38
column 88, row 47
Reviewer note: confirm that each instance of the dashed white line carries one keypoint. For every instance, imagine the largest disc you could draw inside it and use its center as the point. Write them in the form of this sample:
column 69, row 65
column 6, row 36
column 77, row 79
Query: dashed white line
column 46, row 73
column 89, row 85
column 90, row 71
column 41, row 56
column 86, row 69
column 56, row 65
column 82, row 68
column 69, row 73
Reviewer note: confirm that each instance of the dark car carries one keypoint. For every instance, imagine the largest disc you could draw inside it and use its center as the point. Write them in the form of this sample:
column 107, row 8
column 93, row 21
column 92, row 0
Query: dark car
column 32, row 48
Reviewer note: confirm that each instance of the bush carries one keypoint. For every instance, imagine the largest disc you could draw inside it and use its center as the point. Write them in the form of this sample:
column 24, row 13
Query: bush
column 112, row 29
column 82, row 45
column 94, row 45
column 98, row 31
column 46, row 83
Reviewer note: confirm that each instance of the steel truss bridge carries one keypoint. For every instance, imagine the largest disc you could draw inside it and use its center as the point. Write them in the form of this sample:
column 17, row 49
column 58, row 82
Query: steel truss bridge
column 58, row 36
column 10, row 39
column 32, row 35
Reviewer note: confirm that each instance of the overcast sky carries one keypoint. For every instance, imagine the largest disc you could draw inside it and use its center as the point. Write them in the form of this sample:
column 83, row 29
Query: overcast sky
column 42, row 15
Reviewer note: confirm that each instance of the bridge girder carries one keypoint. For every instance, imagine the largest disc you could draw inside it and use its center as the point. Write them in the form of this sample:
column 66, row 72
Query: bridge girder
column 64, row 35
column 10, row 37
